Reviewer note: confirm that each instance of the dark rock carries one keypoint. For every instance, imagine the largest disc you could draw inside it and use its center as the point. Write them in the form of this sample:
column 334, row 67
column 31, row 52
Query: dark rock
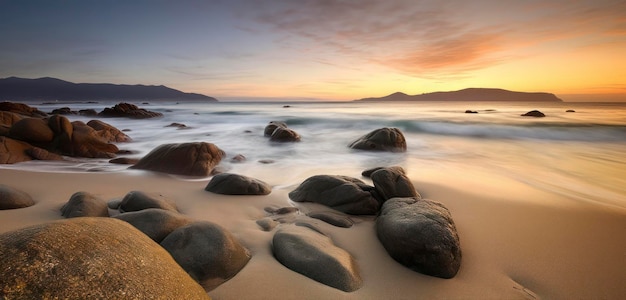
column 343, row 193
column 8, row 118
column 124, row 161
column 108, row 132
column 88, row 112
column 42, row 154
column 13, row 151
column 283, row 135
column 63, row 111
column 155, row 223
column 267, row 224
column 22, row 109
column 128, row 110
column 89, row 258
column 31, row 130
column 471, row 112
column 421, row 235
column 192, row 159
column 238, row 158
column 235, row 184
column 177, row 125
column 570, row 111
column 12, row 198
column 269, row 129
column 83, row 204
column 383, row 139
column 333, row 218
column 63, row 131
column 392, row 182
column 314, row 255
column 137, row 200
column 367, row 173
column 208, row 252
column 534, row 113
column 266, row 161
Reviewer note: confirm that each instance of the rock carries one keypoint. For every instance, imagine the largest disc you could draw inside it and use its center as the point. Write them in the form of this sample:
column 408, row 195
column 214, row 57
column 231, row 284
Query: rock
column 239, row 158
column 178, row 125
column 63, row 111
column 12, row 198
column 192, row 159
column 22, row 109
column 266, row 161
column 42, row 154
column 124, row 161
column 534, row 113
column 8, row 118
column 267, row 224
column 128, row 110
column 88, row 112
column 315, row 256
column 283, row 135
column 383, row 139
column 570, row 111
column 89, row 258
column 343, row 193
column 333, row 218
column 108, row 133
column 31, row 130
column 209, row 253
column 13, row 151
column 83, row 204
column 471, row 111
column 155, row 223
column 269, row 129
column 86, row 142
column 392, row 182
column 281, row 210
column 63, row 131
column 235, row 184
column 137, row 200
column 421, row 235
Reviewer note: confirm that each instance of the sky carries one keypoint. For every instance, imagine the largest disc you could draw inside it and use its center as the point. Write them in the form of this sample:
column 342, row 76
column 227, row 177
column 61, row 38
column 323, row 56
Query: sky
column 322, row 49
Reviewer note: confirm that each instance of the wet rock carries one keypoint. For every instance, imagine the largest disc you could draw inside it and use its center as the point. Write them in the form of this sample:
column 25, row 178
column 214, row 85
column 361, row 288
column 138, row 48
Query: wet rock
column 209, row 253
column 128, row 110
column 89, row 258
column 239, row 158
column 12, row 198
column 333, row 218
column 155, row 223
column 124, row 161
column 420, row 234
column 281, row 210
column 314, row 255
column 235, row 184
column 269, row 128
column 383, row 139
column 42, row 154
column 192, row 159
column 83, row 204
column 284, row 135
column 392, row 182
column 534, row 113
column 177, row 125
column 108, row 132
column 137, row 200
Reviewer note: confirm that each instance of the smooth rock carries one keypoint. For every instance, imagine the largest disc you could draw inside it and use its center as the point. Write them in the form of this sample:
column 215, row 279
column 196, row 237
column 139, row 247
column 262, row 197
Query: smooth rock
column 83, row 204
column 22, row 109
column 284, row 135
column 138, row 200
column 129, row 110
column 191, row 159
column 534, row 113
column 31, row 130
column 333, row 218
column 13, row 151
column 269, row 129
column 392, row 182
column 108, row 132
column 154, row 222
column 383, row 139
column 12, row 198
column 235, row 184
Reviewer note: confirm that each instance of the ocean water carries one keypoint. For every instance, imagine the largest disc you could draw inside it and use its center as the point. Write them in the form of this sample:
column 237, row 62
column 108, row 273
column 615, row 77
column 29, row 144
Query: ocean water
column 579, row 154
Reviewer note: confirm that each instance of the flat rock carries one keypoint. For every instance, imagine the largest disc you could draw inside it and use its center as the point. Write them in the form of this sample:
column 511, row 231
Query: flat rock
column 382, row 139
column 89, row 258
column 235, row 184
column 12, row 198
column 314, row 255
column 420, row 234
column 191, row 159
column 155, row 223
column 392, row 182
column 83, row 204
column 138, row 200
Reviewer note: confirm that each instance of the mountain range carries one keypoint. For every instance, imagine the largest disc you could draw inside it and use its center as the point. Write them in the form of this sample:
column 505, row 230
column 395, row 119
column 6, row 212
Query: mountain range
column 53, row 89
column 471, row 94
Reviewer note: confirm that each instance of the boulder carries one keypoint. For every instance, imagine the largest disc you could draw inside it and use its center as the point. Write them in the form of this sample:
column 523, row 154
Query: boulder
column 63, row 111
column 137, row 200
column 314, row 255
column 269, row 129
column 191, row 159
column 127, row 110
column 420, row 234
column 13, row 151
column 89, row 258
column 392, row 182
column 22, row 109
column 63, row 131
column 208, row 252
column 333, row 218
column 8, row 118
column 383, row 139
column 42, row 154
column 83, row 204
column 88, row 112
column 86, row 142
column 32, row 130
column 155, row 223
column 235, row 184
column 12, row 198
column 284, row 135
column 343, row 193
column 108, row 132
column 534, row 113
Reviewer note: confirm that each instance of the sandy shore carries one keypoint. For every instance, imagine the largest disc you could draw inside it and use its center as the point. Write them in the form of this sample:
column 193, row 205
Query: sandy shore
column 517, row 242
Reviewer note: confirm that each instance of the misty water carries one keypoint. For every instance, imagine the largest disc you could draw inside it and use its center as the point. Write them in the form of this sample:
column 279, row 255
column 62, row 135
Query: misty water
column 577, row 154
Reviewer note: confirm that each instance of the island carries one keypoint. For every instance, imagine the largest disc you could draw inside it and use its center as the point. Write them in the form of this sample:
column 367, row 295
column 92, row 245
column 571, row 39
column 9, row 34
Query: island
column 470, row 94
column 53, row 89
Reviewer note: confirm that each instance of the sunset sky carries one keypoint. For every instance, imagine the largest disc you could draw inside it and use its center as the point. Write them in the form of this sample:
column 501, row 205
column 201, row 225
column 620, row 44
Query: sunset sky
column 326, row 49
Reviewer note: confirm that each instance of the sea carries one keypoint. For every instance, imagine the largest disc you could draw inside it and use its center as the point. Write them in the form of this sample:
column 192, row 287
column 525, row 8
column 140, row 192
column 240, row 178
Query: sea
column 579, row 154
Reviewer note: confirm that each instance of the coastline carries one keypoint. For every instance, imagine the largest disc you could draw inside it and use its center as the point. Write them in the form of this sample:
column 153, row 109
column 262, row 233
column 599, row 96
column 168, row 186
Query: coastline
column 522, row 244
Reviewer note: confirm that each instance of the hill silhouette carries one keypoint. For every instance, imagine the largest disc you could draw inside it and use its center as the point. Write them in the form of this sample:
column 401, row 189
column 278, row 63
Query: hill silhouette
column 52, row 89
column 471, row 94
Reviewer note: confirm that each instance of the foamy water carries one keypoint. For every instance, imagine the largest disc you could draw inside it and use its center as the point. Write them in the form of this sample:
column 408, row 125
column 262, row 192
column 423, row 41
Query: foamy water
column 580, row 154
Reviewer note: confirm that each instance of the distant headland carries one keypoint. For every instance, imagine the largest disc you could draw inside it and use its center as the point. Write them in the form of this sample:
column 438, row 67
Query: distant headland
column 470, row 94
column 53, row 89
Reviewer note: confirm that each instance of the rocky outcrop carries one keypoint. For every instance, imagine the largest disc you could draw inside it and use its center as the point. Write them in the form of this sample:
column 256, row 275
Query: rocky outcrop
column 12, row 198
column 235, row 184
column 155, row 223
column 421, row 235
column 210, row 254
column 89, row 258
column 315, row 255
column 383, row 139
column 138, row 200
column 191, row 159
column 22, row 109
column 128, row 110
column 343, row 193
column 83, row 204
column 108, row 133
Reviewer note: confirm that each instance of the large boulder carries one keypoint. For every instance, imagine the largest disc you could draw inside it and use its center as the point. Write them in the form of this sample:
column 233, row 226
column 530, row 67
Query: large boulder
column 420, row 234
column 108, row 132
column 191, row 159
column 86, row 142
column 89, row 258
column 235, row 184
column 138, row 200
column 383, row 139
column 155, row 223
column 32, row 130
column 343, row 193
column 392, row 182
column 314, row 255
column 22, row 109
column 208, row 252
column 83, row 204
column 12, row 198
column 128, row 110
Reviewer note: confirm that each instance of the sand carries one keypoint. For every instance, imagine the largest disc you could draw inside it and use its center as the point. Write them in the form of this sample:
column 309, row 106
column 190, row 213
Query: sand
column 518, row 242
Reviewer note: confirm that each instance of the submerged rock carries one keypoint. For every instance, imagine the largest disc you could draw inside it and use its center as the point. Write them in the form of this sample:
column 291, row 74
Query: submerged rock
column 12, row 198
column 534, row 113
column 191, row 159
column 383, row 139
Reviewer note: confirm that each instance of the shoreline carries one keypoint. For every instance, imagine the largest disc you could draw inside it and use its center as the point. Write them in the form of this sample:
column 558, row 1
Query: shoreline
column 524, row 244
